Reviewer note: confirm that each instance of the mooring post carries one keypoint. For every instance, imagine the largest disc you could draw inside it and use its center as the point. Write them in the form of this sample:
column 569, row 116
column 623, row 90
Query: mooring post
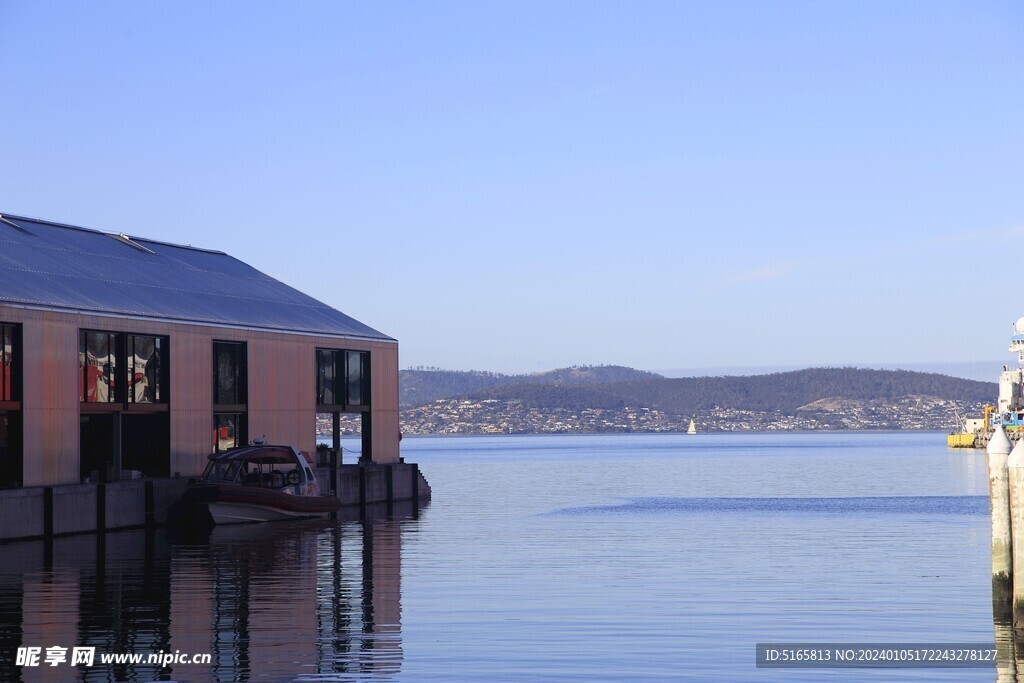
column 1015, row 476
column 48, row 527
column 48, row 512
column 101, row 509
column 415, row 486
column 150, row 502
column 362, row 485
column 999, row 503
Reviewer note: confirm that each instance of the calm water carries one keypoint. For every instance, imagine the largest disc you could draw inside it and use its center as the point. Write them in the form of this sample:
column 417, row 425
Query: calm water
column 569, row 558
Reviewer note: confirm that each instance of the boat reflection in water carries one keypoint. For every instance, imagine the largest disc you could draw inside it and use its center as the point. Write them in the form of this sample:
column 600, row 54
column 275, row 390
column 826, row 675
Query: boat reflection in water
column 316, row 599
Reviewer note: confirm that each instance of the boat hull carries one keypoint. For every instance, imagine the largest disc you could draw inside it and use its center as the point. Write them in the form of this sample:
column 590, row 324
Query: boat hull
column 233, row 504
column 244, row 513
column 960, row 440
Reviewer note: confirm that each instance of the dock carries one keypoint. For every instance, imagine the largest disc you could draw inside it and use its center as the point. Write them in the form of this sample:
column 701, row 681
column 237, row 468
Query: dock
column 44, row 512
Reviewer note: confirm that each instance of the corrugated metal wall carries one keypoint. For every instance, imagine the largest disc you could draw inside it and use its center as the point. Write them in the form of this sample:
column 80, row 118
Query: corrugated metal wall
column 282, row 389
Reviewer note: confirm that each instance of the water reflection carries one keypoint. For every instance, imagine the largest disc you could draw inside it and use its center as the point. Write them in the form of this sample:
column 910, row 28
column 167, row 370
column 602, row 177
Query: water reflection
column 1006, row 650
column 303, row 600
column 1009, row 639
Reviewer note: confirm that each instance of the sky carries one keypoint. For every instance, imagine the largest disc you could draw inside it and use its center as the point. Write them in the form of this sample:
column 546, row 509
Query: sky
column 520, row 186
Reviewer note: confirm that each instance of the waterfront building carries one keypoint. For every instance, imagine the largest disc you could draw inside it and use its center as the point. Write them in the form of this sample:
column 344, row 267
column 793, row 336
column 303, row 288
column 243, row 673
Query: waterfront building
column 123, row 357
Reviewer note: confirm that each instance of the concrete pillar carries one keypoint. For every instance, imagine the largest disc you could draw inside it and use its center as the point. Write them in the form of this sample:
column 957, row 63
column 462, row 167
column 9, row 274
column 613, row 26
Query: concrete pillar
column 999, row 501
column 1015, row 477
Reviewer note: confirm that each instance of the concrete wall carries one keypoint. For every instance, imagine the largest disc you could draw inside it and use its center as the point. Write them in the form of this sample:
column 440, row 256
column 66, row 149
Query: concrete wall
column 367, row 485
column 22, row 513
column 75, row 507
column 126, row 504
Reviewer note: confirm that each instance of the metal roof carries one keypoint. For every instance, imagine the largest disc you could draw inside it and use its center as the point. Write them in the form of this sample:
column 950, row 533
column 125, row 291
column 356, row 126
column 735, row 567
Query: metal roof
column 63, row 267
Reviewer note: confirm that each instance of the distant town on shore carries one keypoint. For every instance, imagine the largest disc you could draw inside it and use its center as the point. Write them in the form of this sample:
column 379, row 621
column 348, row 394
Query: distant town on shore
column 615, row 399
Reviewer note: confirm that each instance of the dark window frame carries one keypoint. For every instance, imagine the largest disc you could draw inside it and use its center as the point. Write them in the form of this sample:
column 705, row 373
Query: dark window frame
column 326, row 358
column 12, row 464
column 115, row 377
column 239, row 409
column 122, row 399
column 11, row 381
column 161, row 373
column 241, row 429
column 363, row 359
column 340, row 392
column 240, row 377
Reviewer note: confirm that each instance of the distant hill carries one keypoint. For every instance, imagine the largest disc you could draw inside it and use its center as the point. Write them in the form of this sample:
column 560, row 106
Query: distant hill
column 602, row 399
column 783, row 392
column 424, row 385
column 418, row 386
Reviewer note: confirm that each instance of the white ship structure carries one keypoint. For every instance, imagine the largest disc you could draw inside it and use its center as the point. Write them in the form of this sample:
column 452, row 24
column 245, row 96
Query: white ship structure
column 1009, row 408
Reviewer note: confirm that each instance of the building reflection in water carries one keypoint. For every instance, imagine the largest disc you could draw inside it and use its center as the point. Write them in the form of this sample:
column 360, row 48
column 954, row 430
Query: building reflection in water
column 315, row 599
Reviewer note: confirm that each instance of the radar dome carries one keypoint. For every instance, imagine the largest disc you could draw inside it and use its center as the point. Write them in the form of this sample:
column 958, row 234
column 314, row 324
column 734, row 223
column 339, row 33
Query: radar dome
column 1019, row 326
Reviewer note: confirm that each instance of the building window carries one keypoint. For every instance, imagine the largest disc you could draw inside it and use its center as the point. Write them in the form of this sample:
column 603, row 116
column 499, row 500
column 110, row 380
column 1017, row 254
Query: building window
column 230, row 395
column 98, row 353
column 325, row 360
column 229, row 374
column 147, row 369
column 118, row 368
column 11, row 470
column 228, row 431
column 124, row 420
column 357, row 374
column 10, row 406
column 342, row 379
column 10, row 363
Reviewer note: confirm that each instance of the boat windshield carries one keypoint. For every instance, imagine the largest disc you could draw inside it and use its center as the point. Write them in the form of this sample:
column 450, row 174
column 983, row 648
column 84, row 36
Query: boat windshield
column 218, row 470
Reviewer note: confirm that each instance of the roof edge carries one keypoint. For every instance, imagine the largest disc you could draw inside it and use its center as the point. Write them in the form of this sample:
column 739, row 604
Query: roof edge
column 68, row 226
column 384, row 339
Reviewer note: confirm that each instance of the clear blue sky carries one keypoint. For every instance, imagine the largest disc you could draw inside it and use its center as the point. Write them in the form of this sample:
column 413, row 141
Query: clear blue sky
column 519, row 186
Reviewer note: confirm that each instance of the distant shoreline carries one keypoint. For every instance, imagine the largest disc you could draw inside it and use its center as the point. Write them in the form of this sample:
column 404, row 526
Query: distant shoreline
column 940, row 432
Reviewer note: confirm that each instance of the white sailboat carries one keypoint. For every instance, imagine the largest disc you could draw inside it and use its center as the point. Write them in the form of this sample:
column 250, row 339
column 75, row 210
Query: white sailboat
column 693, row 427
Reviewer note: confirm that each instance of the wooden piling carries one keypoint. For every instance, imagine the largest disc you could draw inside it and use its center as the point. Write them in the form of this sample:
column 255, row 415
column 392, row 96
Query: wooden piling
column 999, row 501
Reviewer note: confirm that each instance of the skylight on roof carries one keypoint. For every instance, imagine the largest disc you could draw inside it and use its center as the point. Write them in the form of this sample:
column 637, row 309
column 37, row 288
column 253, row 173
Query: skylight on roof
column 121, row 237
column 16, row 226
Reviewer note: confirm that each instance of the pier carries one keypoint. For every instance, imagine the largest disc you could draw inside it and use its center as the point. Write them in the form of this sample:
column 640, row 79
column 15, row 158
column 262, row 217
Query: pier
column 53, row 511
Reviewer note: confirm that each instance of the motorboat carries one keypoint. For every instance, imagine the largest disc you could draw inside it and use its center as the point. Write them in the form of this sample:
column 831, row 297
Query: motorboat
column 259, row 483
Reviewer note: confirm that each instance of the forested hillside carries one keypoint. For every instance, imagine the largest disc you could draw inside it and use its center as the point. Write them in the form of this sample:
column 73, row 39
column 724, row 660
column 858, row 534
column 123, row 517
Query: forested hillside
column 576, row 400
column 614, row 386
column 418, row 386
